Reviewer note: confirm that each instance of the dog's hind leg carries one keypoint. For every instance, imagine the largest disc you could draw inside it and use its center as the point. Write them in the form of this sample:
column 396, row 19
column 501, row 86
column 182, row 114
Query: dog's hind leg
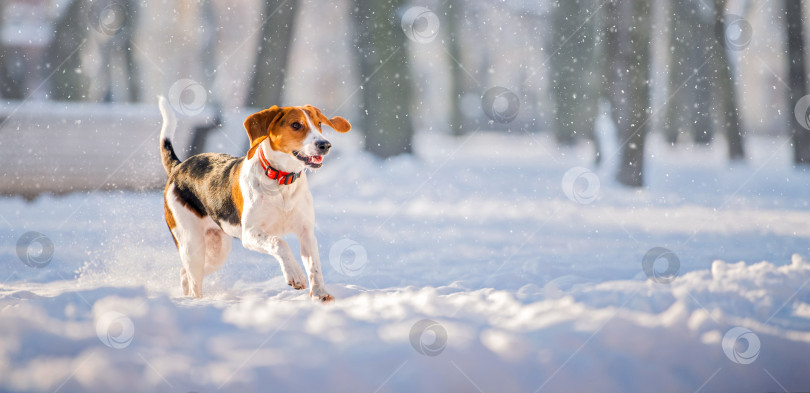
column 192, row 254
column 217, row 248
column 189, row 233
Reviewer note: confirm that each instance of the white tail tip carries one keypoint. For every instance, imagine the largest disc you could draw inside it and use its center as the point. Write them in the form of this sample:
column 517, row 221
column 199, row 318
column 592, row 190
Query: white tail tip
column 169, row 119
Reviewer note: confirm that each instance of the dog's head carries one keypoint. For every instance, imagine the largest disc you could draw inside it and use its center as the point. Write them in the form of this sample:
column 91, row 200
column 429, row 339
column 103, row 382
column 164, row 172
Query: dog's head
column 294, row 130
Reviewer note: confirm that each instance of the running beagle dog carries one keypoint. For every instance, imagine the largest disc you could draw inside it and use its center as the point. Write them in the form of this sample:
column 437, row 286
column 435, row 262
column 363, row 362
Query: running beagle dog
column 211, row 197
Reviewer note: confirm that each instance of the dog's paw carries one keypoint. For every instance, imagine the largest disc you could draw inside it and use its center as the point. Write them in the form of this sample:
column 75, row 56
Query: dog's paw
column 297, row 283
column 321, row 296
column 296, row 278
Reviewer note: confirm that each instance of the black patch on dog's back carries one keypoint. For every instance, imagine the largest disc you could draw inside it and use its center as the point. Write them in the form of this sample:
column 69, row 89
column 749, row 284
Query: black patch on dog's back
column 203, row 184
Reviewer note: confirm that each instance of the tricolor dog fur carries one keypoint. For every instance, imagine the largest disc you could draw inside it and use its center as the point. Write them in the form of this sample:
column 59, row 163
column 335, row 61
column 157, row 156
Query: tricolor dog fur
column 211, row 197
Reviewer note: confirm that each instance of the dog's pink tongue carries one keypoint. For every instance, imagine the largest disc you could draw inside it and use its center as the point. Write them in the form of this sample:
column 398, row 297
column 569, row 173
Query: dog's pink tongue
column 316, row 159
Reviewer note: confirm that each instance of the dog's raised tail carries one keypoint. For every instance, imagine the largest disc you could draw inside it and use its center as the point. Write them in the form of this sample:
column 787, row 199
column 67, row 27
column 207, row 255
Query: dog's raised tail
column 167, row 155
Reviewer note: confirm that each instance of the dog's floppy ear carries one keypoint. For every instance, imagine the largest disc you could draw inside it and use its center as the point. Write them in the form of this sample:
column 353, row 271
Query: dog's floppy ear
column 257, row 126
column 255, row 146
column 337, row 123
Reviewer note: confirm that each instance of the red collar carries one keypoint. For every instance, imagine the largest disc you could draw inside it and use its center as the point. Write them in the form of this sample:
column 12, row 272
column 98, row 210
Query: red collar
column 275, row 174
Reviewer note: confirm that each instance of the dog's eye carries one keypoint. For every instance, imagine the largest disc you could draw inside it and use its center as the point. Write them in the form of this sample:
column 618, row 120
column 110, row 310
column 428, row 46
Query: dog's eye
column 296, row 126
column 319, row 124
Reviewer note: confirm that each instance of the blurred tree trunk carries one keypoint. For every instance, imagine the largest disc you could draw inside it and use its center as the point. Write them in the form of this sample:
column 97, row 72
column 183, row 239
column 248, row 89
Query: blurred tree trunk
column 384, row 72
column 703, row 130
column 274, row 50
column 119, row 47
column 690, row 102
column 11, row 85
column 457, row 81
column 628, row 58
column 208, row 53
column 127, row 33
column 702, row 50
column 610, row 43
column 576, row 90
column 726, row 89
column 67, row 82
column 678, row 120
column 11, row 80
column 797, row 77
column 208, row 61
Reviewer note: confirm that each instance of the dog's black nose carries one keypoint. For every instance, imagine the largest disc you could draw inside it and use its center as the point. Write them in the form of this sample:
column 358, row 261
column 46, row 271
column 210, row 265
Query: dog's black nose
column 323, row 146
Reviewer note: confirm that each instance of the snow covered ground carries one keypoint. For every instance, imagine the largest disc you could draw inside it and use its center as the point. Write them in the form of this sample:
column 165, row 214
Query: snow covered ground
column 533, row 283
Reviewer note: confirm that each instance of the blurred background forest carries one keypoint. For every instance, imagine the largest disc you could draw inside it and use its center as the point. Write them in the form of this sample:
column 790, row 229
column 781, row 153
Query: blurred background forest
column 697, row 71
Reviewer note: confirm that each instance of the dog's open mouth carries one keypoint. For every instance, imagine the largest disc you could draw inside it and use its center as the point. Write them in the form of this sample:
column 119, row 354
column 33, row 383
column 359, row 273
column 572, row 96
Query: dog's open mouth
column 310, row 161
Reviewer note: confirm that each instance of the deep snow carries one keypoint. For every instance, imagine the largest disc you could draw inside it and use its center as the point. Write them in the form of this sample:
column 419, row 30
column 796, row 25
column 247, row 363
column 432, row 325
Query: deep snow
column 534, row 291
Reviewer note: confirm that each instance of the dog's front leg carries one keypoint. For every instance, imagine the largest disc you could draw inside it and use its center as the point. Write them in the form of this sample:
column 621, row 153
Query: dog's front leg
column 309, row 253
column 258, row 240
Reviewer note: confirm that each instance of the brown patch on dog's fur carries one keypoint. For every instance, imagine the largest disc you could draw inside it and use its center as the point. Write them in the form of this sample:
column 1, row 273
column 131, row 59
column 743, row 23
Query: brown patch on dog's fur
column 281, row 134
column 236, row 191
column 169, row 217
